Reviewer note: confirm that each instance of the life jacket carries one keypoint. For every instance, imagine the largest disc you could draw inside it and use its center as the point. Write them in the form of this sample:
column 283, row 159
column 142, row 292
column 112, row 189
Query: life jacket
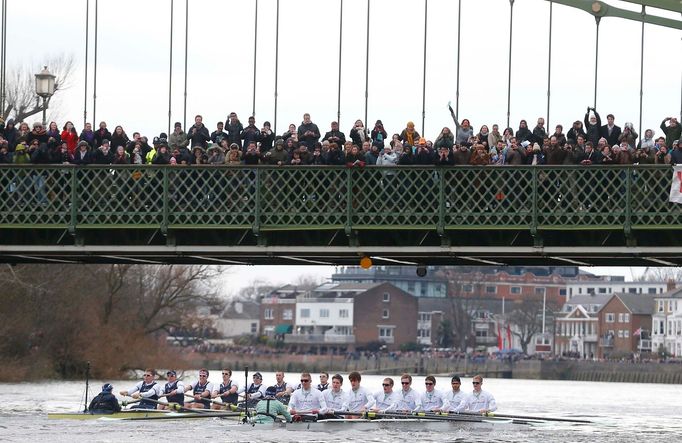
column 178, row 398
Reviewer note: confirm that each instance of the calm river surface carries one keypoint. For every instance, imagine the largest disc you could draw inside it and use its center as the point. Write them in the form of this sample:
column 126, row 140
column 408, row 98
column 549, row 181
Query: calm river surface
column 621, row 412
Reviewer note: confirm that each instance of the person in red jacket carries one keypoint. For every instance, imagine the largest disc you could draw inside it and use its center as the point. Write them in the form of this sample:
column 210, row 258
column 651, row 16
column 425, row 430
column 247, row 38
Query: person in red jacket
column 70, row 137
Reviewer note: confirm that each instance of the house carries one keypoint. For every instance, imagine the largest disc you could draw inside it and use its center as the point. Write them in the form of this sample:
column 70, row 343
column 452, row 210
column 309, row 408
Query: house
column 609, row 285
column 239, row 318
column 667, row 323
column 624, row 322
column 277, row 311
column 577, row 326
column 340, row 317
column 432, row 285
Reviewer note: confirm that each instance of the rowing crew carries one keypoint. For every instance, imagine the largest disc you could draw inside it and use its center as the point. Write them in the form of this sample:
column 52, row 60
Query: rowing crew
column 318, row 400
column 358, row 399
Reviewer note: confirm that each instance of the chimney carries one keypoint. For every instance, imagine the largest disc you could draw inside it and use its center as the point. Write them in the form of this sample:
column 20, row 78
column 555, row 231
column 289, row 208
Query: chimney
column 671, row 285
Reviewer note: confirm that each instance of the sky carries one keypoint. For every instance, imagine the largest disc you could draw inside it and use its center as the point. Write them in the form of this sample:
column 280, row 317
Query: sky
column 134, row 48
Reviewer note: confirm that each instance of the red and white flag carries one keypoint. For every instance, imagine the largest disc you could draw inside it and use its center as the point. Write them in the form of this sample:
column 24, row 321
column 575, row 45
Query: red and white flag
column 638, row 332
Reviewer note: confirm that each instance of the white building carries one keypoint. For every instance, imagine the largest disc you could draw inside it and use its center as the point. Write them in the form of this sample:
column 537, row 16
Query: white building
column 609, row 285
column 238, row 318
column 667, row 323
column 577, row 326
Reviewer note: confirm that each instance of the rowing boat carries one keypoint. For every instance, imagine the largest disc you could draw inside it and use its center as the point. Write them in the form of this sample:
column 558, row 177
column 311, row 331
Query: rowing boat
column 146, row 413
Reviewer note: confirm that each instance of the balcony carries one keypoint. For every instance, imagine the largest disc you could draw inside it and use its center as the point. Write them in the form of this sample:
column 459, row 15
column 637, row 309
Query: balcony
column 318, row 339
column 486, row 341
column 644, row 345
column 606, row 342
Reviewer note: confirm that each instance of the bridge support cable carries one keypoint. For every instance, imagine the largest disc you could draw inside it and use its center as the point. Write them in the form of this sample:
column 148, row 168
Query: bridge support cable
column 459, row 26
column 274, row 122
column 184, row 106
column 367, row 66
column 549, row 65
column 509, row 65
column 596, row 60
column 255, row 57
column 426, row 26
column 338, row 96
column 94, row 81
column 170, row 68
column 641, row 75
column 85, row 63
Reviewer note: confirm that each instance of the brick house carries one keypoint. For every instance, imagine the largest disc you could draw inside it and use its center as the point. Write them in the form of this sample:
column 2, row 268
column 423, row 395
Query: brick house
column 621, row 320
column 278, row 311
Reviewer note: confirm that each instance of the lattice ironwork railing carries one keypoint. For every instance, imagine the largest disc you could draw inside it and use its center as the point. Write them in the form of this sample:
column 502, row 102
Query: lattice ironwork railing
column 290, row 198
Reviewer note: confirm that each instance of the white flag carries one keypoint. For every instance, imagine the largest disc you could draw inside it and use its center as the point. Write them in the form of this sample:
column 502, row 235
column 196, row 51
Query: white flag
column 676, row 186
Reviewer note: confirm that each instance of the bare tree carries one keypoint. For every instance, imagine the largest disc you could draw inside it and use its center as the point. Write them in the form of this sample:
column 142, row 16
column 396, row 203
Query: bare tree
column 21, row 99
column 661, row 275
column 526, row 315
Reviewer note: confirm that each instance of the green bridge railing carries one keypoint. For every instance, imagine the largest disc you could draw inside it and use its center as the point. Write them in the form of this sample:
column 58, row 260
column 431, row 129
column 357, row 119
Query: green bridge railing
column 312, row 205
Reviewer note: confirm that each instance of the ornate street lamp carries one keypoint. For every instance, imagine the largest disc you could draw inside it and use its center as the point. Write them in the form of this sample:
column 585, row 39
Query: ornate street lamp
column 45, row 82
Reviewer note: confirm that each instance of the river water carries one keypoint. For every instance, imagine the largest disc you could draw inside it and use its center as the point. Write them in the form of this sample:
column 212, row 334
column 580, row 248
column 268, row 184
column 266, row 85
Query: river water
column 621, row 412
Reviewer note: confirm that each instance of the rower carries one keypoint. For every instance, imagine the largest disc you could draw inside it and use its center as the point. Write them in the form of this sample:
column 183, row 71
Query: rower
column 386, row 399
column 336, row 399
column 105, row 402
column 269, row 407
column 432, row 400
column 282, row 389
column 201, row 390
column 408, row 399
column 255, row 391
column 455, row 396
column 174, row 390
column 324, row 382
column 227, row 391
column 146, row 389
column 359, row 399
column 479, row 401
column 307, row 399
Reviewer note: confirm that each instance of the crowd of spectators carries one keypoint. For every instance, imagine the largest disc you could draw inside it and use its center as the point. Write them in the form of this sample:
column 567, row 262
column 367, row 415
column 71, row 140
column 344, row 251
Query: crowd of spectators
column 232, row 143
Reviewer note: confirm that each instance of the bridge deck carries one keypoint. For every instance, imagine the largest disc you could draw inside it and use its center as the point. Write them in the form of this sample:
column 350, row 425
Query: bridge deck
column 601, row 215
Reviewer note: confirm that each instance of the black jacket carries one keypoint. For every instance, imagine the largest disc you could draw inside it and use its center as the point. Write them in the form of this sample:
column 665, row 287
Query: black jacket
column 104, row 402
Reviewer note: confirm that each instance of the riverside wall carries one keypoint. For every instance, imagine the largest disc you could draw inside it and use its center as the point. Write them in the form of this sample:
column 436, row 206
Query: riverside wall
column 578, row 370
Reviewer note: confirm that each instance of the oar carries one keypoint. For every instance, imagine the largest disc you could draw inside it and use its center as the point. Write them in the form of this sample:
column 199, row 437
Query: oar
column 443, row 417
column 530, row 417
column 125, row 403
column 216, row 402
column 175, row 406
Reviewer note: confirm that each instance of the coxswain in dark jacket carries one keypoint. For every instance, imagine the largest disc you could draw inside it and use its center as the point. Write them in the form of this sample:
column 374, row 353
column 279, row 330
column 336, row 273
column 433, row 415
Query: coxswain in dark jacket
column 105, row 402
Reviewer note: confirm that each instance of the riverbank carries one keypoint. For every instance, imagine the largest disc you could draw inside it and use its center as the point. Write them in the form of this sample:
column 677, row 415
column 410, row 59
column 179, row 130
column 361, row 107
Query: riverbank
column 582, row 370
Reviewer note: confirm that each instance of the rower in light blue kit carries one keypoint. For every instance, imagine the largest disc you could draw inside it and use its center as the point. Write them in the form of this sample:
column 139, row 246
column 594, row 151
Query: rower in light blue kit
column 336, row 399
column 307, row 399
column 454, row 396
column 146, row 389
column 359, row 399
column 432, row 400
column 408, row 398
column 385, row 400
column 478, row 401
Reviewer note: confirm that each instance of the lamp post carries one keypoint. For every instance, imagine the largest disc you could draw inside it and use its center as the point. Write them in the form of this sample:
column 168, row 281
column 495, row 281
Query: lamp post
column 45, row 82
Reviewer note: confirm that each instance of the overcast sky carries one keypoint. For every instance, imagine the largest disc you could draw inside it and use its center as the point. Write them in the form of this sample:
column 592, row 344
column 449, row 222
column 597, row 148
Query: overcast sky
column 133, row 64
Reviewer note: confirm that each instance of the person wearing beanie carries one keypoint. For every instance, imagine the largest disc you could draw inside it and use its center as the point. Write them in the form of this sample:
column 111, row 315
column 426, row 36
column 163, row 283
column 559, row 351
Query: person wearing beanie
column 105, row 402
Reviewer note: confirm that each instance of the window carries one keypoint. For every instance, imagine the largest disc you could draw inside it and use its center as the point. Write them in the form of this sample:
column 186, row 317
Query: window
column 305, row 313
column 424, row 333
column 563, row 292
column 620, row 317
column 422, row 290
column 626, row 318
column 660, row 306
column 580, row 290
column 491, row 289
column 481, row 333
column 651, row 291
column 269, row 314
column 384, row 313
column 468, row 288
column 516, row 289
column 632, row 290
column 385, row 333
column 387, row 297
column 620, row 333
column 610, row 318
column 602, row 290
column 343, row 313
column 424, row 317
column 324, row 313
column 288, row 314
column 626, row 333
column 410, row 287
column 254, row 328
column 590, row 291
column 540, row 291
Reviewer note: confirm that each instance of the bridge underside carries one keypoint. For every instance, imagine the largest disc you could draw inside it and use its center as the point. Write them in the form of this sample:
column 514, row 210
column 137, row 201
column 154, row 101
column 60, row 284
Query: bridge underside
column 602, row 216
